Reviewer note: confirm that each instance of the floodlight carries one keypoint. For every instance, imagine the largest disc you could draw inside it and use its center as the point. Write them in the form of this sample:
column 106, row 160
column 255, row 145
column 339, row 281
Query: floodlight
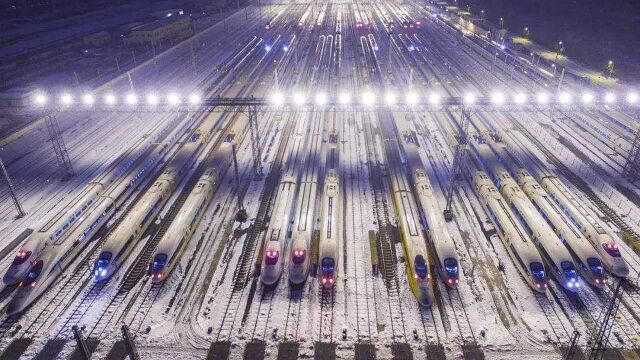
column 277, row 99
column 390, row 98
column 321, row 98
column 434, row 99
column 344, row 98
column 368, row 98
column 299, row 98
column 152, row 99
column 587, row 98
column 520, row 98
column 632, row 98
column 542, row 98
column 194, row 99
column 173, row 99
column 88, row 99
column 497, row 98
column 40, row 99
column 609, row 98
column 66, row 99
column 469, row 99
column 131, row 99
column 412, row 98
column 564, row 98
column 110, row 99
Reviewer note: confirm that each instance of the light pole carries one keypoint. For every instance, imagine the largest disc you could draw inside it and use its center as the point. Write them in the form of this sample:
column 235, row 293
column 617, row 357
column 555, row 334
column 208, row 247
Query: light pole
column 501, row 23
column 610, row 68
column 526, row 32
column 559, row 50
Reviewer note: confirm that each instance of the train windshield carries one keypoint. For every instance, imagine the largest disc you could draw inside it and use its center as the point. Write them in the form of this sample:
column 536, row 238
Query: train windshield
column 33, row 274
column 612, row 249
column 451, row 267
column 104, row 259
column 159, row 263
column 271, row 257
column 569, row 269
column 595, row 265
column 328, row 265
column 420, row 266
column 537, row 270
column 21, row 257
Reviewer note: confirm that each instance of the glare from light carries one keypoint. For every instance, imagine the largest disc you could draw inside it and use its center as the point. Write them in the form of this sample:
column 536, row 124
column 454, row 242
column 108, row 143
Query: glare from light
column 520, row 98
column 344, row 98
column 88, row 99
column 609, row 98
column 564, row 98
column 194, row 99
column 285, row 48
column 267, row 48
column 390, row 98
column 542, row 98
column 66, row 99
column 110, row 99
column 131, row 99
column 277, row 99
column 368, row 98
column 469, row 99
column 587, row 98
column 299, row 98
column 497, row 98
column 321, row 99
column 632, row 98
column 412, row 98
column 40, row 99
column 152, row 99
column 173, row 99
column 434, row 99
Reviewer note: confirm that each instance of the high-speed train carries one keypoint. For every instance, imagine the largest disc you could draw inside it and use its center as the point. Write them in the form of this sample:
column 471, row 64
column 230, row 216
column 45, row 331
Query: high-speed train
column 589, row 262
column 413, row 242
column 331, row 212
column 170, row 248
column 126, row 235
column 57, row 228
column 278, row 233
column 299, row 254
column 602, row 241
column 441, row 240
column 523, row 252
column 55, row 257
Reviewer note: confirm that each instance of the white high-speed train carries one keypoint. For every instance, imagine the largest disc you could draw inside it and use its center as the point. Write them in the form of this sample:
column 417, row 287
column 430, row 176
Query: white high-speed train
column 299, row 254
column 441, row 240
column 170, row 248
column 278, row 233
column 588, row 261
column 523, row 252
column 126, row 235
column 54, row 258
column 75, row 213
column 555, row 255
column 602, row 241
column 331, row 212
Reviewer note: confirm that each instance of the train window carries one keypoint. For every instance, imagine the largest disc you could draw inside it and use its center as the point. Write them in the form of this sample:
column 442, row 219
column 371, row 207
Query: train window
column 104, row 259
column 271, row 258
column 612, row 249
column 33, row 273
column 21, row 257
column 328, row 265
column 537, row 270
column 451, row 266
column 420, row 266
column 569, row 269
column 159, row 263
column 595, row 265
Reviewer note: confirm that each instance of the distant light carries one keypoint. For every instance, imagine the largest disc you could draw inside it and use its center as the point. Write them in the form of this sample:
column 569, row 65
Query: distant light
column 131, row 99
column 173, row 99
column 194, row 99
column 344, row 98
column 88, row 99
column 285, row 48
column 542, row 98
column 390, row 98
column 497, row 98
column 368, row 98
column 169, row 15
column 411, row 48
column 469, row 99
column 632, row 98
column 40, row 99
column 321, row 99
column 152, row 99
column 267, row 48
column 587, row 98
column 299, row 98
column 277, row 99
column 434, row 99
column 66, row 99
column 375, row 48
column 520, row 98
column 564, row 98
column 412, row 98
column 502, row 47
column 110, row 99
column 609, row 98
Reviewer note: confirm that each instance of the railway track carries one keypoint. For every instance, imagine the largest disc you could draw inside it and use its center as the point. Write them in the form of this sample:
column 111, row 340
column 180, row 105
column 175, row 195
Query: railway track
column 327, row 304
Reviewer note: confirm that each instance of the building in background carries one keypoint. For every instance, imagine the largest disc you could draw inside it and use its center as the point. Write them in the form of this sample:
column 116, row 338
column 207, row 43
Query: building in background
column 166, row 29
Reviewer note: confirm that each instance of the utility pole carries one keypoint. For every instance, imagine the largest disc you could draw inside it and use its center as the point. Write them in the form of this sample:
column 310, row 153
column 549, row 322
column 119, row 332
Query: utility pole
column 131, row 347
column 632, row 166
column 600, row 337
column 59, row 147
column 12, row 191
column 241, row 215
column 458, row 162
column 82, row 345
column 573, row 346
column 255, row 140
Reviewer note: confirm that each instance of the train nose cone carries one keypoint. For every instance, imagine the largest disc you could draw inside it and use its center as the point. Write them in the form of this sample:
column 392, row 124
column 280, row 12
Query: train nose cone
column 270, row 275
column 620, row 270
column 13, row 277
column 16, row 305
column 425, row 298
column 297, row 274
